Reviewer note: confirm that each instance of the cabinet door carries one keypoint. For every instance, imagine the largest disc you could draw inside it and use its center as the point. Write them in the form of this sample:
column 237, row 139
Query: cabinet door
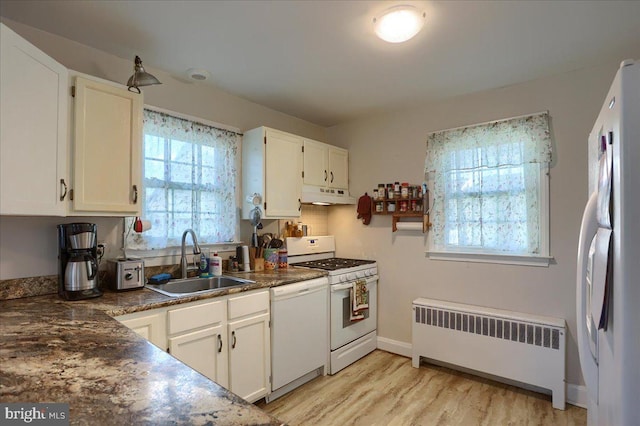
column 339, row 168
column 107, row 148
column 33, row 129
column 283, row 175
column 316, row 171
column 150, row 325
column 205, row 351
column 249, row 357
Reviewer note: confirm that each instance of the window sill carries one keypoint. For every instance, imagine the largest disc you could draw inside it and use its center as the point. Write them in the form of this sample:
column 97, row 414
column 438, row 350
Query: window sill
column 503, row 259
column 171, row 255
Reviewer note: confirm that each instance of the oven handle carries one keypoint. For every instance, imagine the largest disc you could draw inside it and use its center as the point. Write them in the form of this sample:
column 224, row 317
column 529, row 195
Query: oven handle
column 339, row 287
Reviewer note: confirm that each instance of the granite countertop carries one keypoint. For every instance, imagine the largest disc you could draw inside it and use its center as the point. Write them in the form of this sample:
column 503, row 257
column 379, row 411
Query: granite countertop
column 75, row 352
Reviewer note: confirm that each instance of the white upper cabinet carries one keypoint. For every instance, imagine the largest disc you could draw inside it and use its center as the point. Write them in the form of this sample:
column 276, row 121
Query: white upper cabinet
column 107, row 149
column 339, row 168
column 33, row 129
column 272, row 167
column 325, row 165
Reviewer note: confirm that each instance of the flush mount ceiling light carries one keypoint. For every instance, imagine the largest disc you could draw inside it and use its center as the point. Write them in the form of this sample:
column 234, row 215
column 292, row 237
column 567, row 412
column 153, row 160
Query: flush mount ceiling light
column 140, row 77
column 399, row 23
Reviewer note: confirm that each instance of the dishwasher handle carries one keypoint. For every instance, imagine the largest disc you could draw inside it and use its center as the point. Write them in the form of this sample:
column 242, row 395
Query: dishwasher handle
column 299, row 288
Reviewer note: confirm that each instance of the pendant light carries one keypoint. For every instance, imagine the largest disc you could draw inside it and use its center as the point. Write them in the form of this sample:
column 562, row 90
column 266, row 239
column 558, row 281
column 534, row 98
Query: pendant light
column 399, row 23
column 140, row 77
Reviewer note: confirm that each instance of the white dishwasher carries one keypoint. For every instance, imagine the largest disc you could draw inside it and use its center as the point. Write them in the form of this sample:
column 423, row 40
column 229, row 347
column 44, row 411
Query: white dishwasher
column 299, row 334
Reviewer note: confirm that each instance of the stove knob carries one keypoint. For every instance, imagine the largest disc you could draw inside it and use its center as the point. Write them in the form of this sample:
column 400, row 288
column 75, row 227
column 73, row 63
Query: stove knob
column 351, row 276
column 360, row 274
column 343, row 278
column 372, row 271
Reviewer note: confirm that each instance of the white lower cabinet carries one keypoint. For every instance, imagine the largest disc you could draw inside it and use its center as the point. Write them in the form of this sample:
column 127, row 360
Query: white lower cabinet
column 249, row 345
column 148, row 324
column 226, row 339
column 197, row 337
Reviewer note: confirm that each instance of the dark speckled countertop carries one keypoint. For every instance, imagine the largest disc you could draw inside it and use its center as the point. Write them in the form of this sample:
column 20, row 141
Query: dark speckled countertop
column 75, row 352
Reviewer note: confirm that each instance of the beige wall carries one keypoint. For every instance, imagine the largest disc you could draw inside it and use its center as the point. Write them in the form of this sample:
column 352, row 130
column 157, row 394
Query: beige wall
column 391, row 147
column 28, row 245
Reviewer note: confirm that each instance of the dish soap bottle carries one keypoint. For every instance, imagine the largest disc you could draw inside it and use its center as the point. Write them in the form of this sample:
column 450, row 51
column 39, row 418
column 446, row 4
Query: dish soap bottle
column 216, row 265
column 204, row 264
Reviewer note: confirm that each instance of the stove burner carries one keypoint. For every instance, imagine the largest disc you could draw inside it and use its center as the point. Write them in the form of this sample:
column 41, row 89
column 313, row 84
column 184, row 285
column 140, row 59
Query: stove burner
column 334, row 263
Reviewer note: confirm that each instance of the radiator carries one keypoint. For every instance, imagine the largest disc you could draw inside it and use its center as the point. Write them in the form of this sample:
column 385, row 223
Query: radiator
column 526, row 348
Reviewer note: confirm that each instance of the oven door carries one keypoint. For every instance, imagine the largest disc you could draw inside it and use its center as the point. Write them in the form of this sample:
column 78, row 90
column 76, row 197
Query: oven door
column 343, row 330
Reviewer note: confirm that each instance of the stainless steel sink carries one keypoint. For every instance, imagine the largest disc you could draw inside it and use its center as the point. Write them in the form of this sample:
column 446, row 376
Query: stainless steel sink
column 182, row 287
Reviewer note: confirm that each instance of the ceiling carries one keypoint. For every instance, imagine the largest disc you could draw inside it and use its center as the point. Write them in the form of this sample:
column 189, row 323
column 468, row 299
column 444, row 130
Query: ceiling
column 320, row 60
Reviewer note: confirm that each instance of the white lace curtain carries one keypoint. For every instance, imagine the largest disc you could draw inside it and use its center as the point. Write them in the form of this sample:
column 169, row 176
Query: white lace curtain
column 485, row 183
column 189, row 182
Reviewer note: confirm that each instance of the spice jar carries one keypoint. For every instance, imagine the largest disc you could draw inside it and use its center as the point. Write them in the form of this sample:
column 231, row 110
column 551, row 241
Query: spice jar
column 375, row 193
column 379, row 207
column 414, row 205
column 391, row 206
column 404, row 191
column 390, row 190
column 403, row 206
column 381, row 191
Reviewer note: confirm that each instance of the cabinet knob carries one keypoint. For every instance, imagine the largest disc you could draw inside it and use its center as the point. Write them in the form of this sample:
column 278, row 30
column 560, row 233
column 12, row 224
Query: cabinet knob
column 299, row 204
column 135, row 194
column 233, row 337
column 325, row 175
column 331, row 177
column 219, row 343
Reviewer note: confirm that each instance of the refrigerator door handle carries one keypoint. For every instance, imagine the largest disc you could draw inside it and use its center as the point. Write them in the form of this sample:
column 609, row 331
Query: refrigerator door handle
column 588, row 230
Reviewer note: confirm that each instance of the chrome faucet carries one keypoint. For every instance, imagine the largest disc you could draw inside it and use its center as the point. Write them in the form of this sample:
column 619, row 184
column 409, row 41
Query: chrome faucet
column 183, row 256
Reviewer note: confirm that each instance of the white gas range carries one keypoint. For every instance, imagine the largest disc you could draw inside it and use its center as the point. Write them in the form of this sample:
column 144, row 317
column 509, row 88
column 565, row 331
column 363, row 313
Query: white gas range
column 350, row 339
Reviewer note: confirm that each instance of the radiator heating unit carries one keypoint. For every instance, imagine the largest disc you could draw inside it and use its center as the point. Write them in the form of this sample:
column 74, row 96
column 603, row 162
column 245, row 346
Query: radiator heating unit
column 525, row 348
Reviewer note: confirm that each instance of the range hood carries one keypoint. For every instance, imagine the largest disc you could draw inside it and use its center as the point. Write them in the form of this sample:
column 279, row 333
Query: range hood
column 325, row 196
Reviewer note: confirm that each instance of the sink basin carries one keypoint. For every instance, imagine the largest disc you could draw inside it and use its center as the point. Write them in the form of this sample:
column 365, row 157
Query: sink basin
column 182, row 287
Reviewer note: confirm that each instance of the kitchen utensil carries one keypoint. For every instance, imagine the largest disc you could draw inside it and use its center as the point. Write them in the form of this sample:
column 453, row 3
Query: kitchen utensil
column 266, row 239
column 254, row 217
column 276, row 243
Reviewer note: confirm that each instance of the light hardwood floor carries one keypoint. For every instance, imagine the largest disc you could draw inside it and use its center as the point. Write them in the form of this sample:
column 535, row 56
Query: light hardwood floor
column 384, row 389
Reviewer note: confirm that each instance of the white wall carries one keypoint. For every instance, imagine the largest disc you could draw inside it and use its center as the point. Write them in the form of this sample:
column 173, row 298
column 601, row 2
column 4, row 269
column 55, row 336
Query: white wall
column 391, row 147
column 28, row 245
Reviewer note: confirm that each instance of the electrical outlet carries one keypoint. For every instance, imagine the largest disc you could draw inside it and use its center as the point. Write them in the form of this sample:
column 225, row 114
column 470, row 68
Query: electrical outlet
column 102, row 248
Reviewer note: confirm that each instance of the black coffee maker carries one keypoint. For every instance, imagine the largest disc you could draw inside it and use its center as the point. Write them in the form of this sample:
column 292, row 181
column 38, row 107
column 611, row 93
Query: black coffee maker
column 78, row 261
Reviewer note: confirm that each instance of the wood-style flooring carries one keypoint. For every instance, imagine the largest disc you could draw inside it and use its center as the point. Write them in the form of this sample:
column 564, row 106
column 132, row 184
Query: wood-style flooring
column 384, row 389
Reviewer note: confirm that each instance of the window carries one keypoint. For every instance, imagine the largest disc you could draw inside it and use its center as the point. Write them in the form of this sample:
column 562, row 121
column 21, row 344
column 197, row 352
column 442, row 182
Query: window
column 189, row 182
column 489, row 185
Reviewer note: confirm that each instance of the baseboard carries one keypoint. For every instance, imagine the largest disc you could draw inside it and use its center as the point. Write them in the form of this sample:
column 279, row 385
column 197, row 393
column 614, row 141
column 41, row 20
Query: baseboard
column 576, row 394
column 394, row 346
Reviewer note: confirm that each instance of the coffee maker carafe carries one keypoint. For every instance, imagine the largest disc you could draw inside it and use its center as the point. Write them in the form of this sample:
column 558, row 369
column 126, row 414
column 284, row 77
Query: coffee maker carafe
column 78, row 261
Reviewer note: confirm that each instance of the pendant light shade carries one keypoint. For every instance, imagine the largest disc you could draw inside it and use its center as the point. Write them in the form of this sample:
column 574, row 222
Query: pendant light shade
column 140, row 77
column 399, row 23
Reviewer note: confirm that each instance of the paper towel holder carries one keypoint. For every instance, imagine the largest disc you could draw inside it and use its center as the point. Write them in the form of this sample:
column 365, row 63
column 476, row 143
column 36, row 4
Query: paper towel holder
column 424, row 226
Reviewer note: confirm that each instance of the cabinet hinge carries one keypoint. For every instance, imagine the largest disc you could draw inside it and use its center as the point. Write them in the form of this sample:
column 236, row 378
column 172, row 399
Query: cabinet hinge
column 168, row 350
column 303, row 148
column 265, row 140
column 73, row 91
column 303, row 174
column 71, row 195
column 265, row 206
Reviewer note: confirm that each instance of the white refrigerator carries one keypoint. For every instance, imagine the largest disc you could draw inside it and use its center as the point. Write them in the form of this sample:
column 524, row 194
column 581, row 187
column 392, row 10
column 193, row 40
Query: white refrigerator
column 608, row 275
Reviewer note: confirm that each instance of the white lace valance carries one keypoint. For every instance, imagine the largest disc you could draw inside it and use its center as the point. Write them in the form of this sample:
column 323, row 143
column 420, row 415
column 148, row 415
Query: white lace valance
column 507, row 142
